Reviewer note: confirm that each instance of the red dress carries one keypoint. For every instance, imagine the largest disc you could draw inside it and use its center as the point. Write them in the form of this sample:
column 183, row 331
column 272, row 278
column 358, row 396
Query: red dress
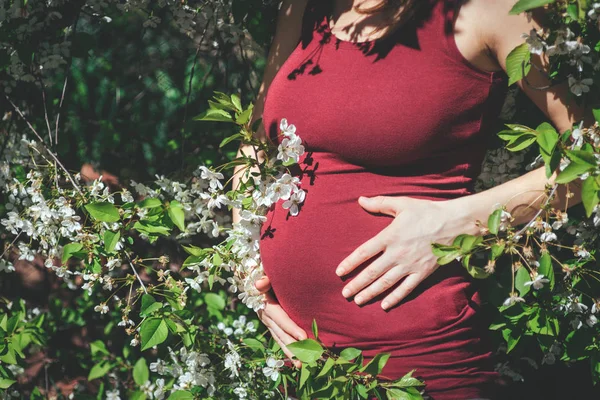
column 406, row 115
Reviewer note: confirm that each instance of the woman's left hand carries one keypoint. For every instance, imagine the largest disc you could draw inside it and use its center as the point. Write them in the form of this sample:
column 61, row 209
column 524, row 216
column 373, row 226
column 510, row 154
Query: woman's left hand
column 405, row 244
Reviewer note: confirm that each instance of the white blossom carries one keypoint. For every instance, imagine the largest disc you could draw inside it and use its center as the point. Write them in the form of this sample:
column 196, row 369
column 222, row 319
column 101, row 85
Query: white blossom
column 538, row 282
column 272, row 368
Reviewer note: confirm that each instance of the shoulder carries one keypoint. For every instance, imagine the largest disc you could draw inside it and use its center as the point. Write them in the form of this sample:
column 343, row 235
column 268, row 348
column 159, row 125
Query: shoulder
column 499, row 30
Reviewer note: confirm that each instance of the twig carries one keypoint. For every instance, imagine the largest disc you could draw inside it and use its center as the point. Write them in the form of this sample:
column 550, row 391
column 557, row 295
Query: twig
column 548, row 200
column 45, row 147
column 10, row 245
column 539, row 70
column 67, row 69
column 45, row 109
column 189, row 93
column 136, row 273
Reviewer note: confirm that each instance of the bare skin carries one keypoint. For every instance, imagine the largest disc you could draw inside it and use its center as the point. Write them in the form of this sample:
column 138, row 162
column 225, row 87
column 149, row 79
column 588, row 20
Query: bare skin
column 485, row 33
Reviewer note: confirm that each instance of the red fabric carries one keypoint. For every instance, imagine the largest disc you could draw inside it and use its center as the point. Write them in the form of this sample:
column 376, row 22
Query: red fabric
column 401, row 116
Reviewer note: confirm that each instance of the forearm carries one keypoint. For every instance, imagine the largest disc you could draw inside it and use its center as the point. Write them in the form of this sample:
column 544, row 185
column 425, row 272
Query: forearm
column 522, row 196
column 242, row 171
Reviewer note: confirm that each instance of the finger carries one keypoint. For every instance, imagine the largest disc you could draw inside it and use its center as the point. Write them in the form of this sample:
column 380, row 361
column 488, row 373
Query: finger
column 285, row 350
column 398, row 294
column 283, row 339
column 383, row 283
column 368, row 275
column 379, row 204
column 263, row 285
column 277, row 314
column 361, row 254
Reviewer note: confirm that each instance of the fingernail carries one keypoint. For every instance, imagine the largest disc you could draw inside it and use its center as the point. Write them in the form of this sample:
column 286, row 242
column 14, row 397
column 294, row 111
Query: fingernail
column 339, row 271
column 385, row 305
column 346, row 292
column 358, row 300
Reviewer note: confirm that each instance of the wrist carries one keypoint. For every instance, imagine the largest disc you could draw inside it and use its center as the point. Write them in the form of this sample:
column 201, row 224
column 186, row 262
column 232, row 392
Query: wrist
column 470, row 214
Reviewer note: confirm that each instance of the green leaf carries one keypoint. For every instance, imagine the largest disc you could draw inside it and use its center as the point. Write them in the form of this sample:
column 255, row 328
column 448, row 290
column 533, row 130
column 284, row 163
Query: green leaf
column 521, row 143
column 230, row 139
column 244, row 117
column 196, row 251
column 596, row 112
column 571, row 172
column 326, row 367
column 573, row 11
column 177, row 214
column 254, row 344
column 583, row 157
column 547, row 137
column 306, row 350
column 140, row 372
column 214, row 115
column 235, row 100
column 477, row 272
column 99, row 370
column 69, row 250
column 362, row 391
column 151, row 228
column 181, row 395
column 153, row 331
column 350, row 353
column 304, row 375
column 137, row 395
column 103, row 211
column 577, row 345
column 494, row 221
column 445, row 254
column 543, row 322
column 5, row 383
column 149, row 305
column 526, row 5
column 217, row 260
column 521, row 277
column 98, row 346
column 551, row 161
column 515, row 60
column 497, row 250
column 589, row 194
column 110, row 240
column 512, row 338
column 150, row 202
column 595, row 366
column 375, row 366
column 215, row 301
column 315, row 330
column 546, row 269
column 409, row 381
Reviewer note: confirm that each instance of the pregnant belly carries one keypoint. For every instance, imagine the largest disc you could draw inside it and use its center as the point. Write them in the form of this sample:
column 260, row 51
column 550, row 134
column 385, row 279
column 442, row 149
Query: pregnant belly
column 300, row 255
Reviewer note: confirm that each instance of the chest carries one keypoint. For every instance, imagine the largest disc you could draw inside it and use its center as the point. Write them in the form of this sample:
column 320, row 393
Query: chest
column 381, row 106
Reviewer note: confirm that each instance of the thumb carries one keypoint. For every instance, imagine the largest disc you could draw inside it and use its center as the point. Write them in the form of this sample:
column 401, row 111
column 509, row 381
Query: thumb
column 263, row 285
column 380, row 204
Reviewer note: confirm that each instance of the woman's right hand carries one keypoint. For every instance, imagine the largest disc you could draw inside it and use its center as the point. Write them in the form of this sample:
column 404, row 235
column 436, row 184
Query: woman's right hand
column 282, row 328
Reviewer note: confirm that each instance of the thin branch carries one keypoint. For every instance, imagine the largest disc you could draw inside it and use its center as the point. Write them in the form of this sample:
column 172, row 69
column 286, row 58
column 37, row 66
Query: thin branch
column 67, row 173
column 64, row 90
column 10, row 245
column 136, row 273
column 548, row 200
column 45, row 109
column 189, row 92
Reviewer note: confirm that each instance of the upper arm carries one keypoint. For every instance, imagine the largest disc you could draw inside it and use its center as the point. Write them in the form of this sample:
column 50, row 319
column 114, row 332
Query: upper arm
column 502, row 33
column 285, row 40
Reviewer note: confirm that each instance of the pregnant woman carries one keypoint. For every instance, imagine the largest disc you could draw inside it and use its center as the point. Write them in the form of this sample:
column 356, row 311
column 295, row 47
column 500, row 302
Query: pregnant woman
column 394, row 102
